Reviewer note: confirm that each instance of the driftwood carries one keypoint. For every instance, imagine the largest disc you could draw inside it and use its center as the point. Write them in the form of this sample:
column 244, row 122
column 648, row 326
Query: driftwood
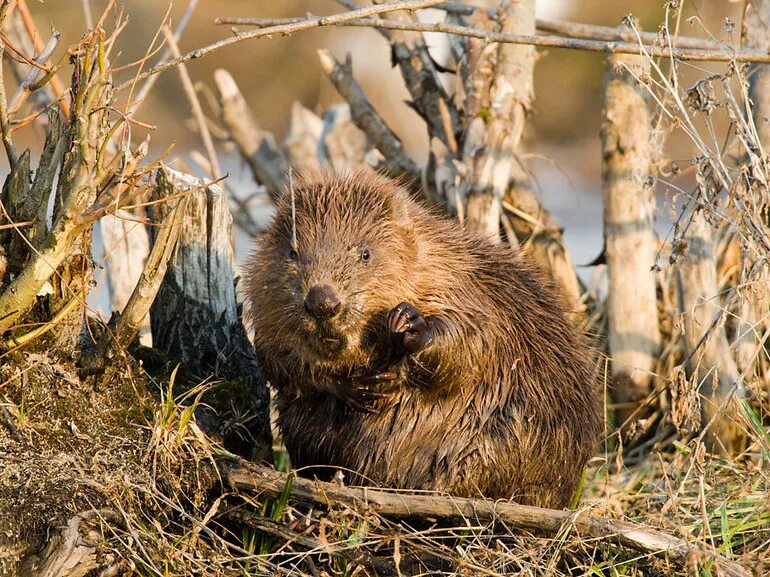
column 630, row 243
column 251, row 479
column 195, row 318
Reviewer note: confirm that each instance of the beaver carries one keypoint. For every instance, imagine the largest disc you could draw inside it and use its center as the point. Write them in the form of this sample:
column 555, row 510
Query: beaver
column 415, row 354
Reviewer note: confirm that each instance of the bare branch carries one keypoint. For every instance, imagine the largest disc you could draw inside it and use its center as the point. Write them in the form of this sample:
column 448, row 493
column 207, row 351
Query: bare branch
column 721, row 53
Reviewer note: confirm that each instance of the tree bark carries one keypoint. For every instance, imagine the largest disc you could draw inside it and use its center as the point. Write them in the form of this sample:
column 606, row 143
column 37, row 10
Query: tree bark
column 195, row 318
column 629, row 206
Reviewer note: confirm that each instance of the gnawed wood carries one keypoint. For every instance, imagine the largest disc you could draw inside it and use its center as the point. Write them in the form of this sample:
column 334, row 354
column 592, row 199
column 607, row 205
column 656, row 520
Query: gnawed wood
column 195, row 318
column 344, row 146
column 303, row 140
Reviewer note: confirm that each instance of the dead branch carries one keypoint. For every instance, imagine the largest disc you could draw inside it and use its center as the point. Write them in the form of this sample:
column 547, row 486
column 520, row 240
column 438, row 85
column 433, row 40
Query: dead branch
column 37, row 44
column 313, row 22
column 420, row 74
column 561, row 27
column 397, row 161
column 29, row 84
column 253, row 479
column 258, row 148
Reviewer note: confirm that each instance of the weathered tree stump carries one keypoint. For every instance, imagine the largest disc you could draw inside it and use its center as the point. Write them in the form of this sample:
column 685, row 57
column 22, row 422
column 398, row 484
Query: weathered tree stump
column 196, row 321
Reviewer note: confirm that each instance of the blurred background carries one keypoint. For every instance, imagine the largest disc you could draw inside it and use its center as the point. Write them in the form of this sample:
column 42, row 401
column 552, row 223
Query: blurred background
column 562, row 139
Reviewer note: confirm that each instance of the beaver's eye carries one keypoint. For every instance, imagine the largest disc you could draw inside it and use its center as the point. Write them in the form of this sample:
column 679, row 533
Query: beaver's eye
column 366, row 255
column 293, row 254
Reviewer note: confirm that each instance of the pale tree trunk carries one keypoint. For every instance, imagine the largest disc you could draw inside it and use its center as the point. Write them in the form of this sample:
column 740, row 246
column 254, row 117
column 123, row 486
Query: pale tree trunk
column 495, row 163
column 755, row 297
column 629, row 205
column 710, row 357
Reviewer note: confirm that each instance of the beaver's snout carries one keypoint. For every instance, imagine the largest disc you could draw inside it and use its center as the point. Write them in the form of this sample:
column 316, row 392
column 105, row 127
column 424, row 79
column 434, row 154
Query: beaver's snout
column 322, row 303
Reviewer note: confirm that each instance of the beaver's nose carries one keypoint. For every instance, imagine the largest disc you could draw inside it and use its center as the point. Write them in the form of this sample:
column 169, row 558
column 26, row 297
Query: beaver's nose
column 321, row 302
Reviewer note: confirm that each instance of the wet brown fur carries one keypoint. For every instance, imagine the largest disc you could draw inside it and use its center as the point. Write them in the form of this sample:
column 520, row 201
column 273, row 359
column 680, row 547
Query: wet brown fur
column 502, row 403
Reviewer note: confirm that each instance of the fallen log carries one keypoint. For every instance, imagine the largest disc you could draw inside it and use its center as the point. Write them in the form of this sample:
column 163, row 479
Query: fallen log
column 250, row 478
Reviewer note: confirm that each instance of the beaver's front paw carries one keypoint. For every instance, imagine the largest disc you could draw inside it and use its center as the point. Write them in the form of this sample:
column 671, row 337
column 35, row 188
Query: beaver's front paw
column 358, row 393
column 405, row 321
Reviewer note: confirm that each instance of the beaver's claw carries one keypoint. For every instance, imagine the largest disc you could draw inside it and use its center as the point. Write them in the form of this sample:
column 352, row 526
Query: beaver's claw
column 356, row 390
column 407, row 321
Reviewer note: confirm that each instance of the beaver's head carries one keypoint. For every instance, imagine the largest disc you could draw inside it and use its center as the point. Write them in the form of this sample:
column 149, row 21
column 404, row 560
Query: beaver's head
column 333, row 261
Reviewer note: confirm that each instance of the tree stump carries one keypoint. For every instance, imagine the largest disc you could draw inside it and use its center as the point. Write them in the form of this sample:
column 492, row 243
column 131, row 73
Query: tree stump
column 196, row 321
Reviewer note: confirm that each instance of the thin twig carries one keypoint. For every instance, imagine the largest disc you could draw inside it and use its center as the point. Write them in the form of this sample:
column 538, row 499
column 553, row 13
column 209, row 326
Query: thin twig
column 313, row 22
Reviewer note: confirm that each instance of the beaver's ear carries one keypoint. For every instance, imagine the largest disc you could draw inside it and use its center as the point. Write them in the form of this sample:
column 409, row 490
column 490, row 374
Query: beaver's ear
column 400, row 206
